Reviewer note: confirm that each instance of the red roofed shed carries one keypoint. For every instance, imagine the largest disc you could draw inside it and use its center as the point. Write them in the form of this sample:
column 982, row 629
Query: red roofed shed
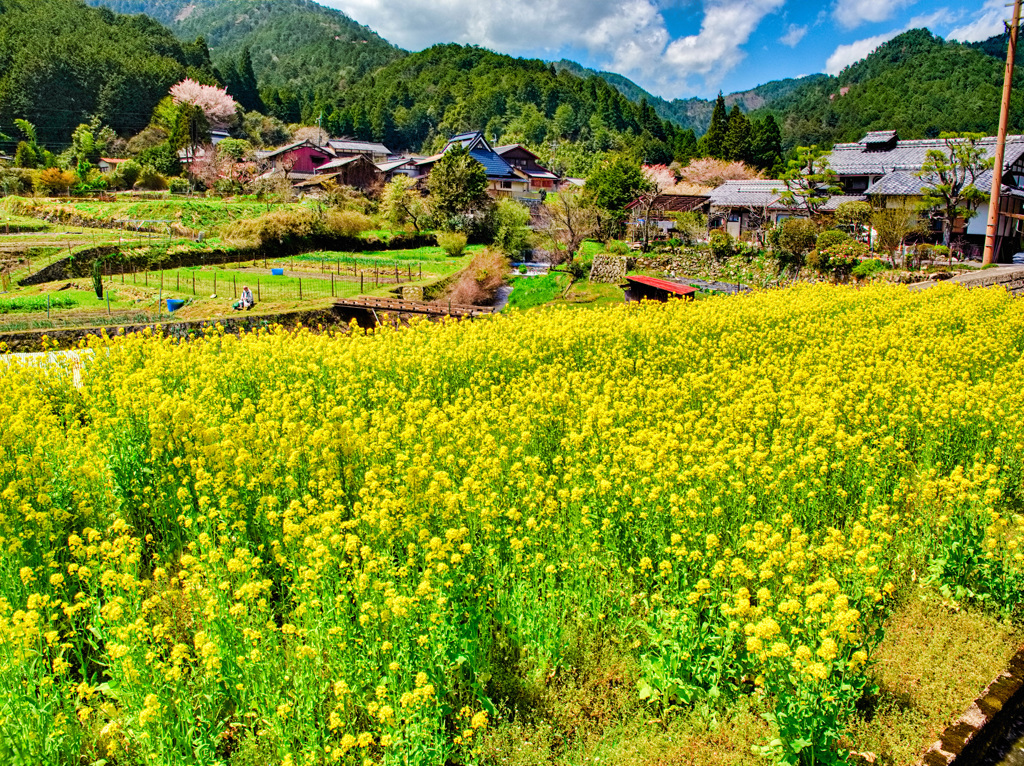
column 654, row 289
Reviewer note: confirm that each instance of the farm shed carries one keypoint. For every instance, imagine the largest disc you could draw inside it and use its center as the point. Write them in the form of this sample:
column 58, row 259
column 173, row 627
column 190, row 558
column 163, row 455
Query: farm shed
column 654, row 289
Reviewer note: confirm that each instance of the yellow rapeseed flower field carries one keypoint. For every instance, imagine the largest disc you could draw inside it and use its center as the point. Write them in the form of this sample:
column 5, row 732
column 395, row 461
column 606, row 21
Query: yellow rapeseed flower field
column 312, row 545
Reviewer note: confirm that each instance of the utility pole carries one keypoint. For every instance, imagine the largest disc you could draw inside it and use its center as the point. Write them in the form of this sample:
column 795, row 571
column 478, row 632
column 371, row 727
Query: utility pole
column 991, row 229
column 320, row 128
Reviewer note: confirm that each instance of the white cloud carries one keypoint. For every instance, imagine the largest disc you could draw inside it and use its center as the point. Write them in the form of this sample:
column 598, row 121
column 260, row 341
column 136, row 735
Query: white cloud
column 626, row 36
column 988, row 23
column 844, row 55
column 853, row 13
column 794, row 34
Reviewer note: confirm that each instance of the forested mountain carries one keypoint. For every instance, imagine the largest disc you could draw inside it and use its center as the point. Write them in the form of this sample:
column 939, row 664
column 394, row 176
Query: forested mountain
column 62, row 63
column 917, row 84
column 694, row 113
column 421, row 99
column 300, row 50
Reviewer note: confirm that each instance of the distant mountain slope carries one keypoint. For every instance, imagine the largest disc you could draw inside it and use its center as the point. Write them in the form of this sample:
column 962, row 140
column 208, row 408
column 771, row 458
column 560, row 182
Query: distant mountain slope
column 917, row 84
column 62, row 63
column 297, row 45
column 694, row 113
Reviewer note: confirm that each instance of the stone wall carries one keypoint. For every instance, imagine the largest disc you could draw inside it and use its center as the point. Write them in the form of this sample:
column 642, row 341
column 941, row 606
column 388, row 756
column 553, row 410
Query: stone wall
column 984, row 722
column 609, row 268
column 69, row 337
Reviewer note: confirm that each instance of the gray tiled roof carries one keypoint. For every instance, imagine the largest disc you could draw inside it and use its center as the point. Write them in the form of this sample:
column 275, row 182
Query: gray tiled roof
column 351, row 145
column 834, row 202
column 758, row 193
column 878, row 137
column 898, row 184
column 909, row 156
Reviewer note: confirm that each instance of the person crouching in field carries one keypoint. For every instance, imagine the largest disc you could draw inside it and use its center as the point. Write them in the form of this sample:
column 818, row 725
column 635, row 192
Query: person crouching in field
column 246, row 302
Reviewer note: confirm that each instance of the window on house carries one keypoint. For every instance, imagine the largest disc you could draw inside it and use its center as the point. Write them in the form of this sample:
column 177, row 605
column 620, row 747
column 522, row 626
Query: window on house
column 506, row 184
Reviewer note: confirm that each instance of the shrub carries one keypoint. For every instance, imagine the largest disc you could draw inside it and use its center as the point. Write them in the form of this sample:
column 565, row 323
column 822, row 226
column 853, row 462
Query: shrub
column 452, row 242
column 276, row 227
column 511, row 224
column 54, row 181
column 345, row 223
column 177, row 185
column 126, row 175
column 798, row 235
column 837, row 260
column 479, row 281
column 617, row 247
column 150, row 179
column 867, row 269
column 722, row 246
column 830, row 237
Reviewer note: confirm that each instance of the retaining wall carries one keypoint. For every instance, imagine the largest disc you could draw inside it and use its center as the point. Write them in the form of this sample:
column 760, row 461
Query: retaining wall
column 70, row 337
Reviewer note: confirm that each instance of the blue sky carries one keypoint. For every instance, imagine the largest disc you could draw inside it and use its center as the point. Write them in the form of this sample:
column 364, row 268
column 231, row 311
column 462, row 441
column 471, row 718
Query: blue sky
column 679, row 48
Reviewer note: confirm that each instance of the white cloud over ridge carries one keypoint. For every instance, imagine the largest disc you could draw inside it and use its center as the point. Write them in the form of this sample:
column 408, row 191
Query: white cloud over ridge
column 625, row 36
column 988, row 23
column 851, row 53
column 794, row 34
column 853, row 13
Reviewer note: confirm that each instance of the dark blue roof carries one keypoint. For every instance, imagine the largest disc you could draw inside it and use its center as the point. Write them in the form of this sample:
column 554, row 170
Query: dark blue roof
column 495, row 166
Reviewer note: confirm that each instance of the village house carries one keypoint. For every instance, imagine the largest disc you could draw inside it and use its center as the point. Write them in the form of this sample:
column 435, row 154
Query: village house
column 357, row 171
column 503, row 180
column 349, row 147
column 542, row 180
column 297, row 162
column 882, row 169
column 656, row 215
column 108, row 164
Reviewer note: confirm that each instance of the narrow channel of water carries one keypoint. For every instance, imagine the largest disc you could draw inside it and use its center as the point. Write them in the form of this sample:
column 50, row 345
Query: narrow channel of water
column 1008, row 750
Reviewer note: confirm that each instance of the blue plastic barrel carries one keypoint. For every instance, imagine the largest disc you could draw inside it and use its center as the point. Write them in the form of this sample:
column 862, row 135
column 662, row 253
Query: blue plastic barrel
column 277, row 272
column 173, row 304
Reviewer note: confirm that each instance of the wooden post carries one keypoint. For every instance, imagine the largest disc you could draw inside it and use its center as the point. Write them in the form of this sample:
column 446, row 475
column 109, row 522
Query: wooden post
column 161, row 281
column 177, row 282
column 300, row 288
column 145, row 278
column 234, row 285
column 215, row 283
column 991, row 229
column 108, row 302
column 398, row 279
column 193, row 284
column 360, row 282
column 421, row 269
column 332, row 285
column 47, row 305
column 259, row 295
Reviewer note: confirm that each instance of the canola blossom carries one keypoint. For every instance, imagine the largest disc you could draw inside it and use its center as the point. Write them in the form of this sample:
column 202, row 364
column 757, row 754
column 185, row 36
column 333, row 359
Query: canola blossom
column 325, row 547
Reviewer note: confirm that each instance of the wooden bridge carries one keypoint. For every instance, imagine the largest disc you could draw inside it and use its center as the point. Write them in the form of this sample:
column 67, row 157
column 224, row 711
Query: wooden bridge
column 370, row 310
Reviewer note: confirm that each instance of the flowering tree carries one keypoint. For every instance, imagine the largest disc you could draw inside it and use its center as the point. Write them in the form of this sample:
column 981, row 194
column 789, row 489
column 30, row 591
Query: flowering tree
column 215, row 102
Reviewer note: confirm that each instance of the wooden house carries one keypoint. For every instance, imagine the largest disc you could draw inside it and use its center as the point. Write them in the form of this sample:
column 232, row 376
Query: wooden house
column 299, row 161
column 542, row 181
column 357, row 171
column 883, row 169
column 349, row 147
column 502, row 179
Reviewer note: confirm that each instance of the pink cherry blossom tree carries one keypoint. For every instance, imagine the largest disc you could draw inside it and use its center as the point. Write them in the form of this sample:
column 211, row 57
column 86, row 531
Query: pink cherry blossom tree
column 215, row 102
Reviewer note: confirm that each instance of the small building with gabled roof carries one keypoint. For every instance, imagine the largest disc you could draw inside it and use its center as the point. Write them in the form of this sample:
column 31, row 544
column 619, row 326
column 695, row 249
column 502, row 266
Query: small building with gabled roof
column 522, row 159
column 502, row 179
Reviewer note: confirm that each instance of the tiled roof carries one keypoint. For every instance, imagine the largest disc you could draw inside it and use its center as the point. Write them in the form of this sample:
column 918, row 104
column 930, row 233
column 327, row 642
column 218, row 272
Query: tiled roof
column 347, row 144
column 338, row 163
column 857, row 159
column 834, row 202
column 878, row 137
column 758, row 193
column 387, row 167
column 495, row 166
column 898, row 184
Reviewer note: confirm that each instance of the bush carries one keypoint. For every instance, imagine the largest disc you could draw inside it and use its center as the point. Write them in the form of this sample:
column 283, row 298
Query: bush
column 480, row 281
column 511, row 223
column 867, row 269
column 177, row 185
column 829, row 238
column 452, row 242
column 345, row 223
column 722, row 246
column 837, row 260
column 150, row 179
column 274, row 228
column 54, row 181
column 125, row 175
column 617, row 247
column 798, row 235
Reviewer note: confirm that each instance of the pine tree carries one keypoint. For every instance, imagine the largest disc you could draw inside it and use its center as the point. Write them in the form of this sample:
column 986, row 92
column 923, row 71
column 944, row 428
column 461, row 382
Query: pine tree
column 737, row 137
column 242, row 84
column 766, row 144
column 712, row 143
